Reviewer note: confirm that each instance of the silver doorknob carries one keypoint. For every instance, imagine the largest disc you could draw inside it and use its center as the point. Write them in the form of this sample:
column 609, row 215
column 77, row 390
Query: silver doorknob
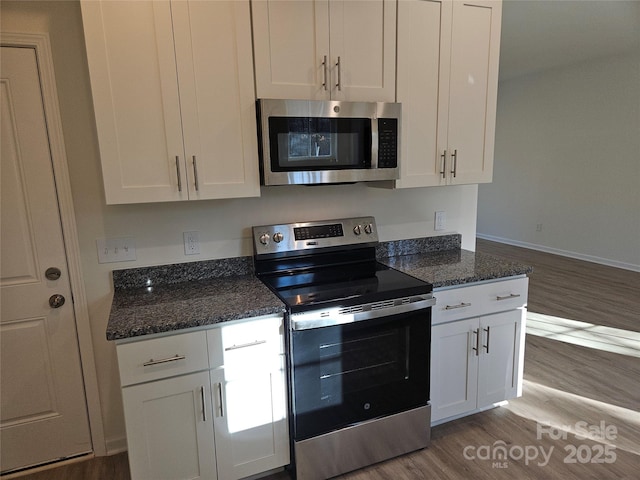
column 56, row 301
column 52, row 273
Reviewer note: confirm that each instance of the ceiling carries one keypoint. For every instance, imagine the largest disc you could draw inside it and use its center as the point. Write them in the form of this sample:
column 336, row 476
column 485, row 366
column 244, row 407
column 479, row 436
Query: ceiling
column 542, row 34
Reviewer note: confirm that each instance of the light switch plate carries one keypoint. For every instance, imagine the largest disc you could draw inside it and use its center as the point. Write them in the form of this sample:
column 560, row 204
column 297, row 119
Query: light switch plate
column 117, row 249
column 440, row 221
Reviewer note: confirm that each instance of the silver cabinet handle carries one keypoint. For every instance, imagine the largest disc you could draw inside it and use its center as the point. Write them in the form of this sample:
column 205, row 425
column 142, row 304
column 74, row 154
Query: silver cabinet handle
column 460, row 305
column 444, row 164
column 339, row 84
column 324, row 73
column 476, row 349
column 488, row 330
column 454, row 155
column 204, row 404
column 178, row 173
column 163, row 360
column 195, row 172
column 507, row 297
column 220, row 399
column 244, row 345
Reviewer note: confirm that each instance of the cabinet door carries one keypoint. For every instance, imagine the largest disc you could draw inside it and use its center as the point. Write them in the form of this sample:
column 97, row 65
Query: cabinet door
column 132, row 66
column 363, row 39
column 454, row 368
column 475, row 45
column 291, row 41
column 250, row 422
column 500, row 359
column 170, row 428
column 215, row 75
column 423, row 90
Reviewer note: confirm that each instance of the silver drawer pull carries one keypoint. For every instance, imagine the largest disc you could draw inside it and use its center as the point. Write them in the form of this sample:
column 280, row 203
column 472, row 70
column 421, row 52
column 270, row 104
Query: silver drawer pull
column 461, row 305
column 512, row 295
column 163, row 360
column 204, row 404
column 244, row 345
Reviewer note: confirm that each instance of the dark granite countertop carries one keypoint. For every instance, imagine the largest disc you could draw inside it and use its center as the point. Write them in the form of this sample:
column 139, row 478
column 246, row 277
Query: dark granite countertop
column 153, row 300
column 455, row 267
column 172, row 297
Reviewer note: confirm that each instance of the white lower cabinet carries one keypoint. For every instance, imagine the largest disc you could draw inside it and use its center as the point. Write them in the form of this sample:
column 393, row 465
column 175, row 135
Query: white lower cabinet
column 169, row 435
column 249, row 397
column 226, row 421
column 477, row 361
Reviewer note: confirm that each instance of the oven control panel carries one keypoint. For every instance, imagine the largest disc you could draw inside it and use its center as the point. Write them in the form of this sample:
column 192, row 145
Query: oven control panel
column 292, row 237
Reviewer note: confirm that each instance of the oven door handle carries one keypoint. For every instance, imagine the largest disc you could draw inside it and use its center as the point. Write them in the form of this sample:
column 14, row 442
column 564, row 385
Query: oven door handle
column 329, row 318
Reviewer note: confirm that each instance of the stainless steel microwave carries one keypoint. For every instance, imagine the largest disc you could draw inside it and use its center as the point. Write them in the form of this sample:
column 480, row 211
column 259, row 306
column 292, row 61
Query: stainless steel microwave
column 307, row 142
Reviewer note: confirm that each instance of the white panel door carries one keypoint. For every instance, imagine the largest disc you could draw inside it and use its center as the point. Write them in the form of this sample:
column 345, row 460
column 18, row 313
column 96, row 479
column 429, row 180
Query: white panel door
column 170, row 429
column 454, row 368
column 132, row 63
column 291, row 42
column 43, row 407
column 215, row 76
column 500, row 348
column 250, row 421
column 475, row 48
column 363, row 41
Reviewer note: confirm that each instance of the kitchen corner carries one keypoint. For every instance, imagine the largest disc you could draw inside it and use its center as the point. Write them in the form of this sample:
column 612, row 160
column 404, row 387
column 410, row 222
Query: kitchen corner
column 207, row 331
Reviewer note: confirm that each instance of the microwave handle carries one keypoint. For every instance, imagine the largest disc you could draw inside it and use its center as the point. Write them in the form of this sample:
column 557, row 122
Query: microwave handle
column 374, row 143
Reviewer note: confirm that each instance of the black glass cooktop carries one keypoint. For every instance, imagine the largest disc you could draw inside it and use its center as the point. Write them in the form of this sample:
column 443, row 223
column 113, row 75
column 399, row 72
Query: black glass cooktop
column 343, row 285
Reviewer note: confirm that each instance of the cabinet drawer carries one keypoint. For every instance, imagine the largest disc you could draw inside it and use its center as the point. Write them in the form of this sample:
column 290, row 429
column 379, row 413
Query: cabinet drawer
column 504, row 295
column 246, row 346
column 162, row 357
column 479, row 299
column 456, row 304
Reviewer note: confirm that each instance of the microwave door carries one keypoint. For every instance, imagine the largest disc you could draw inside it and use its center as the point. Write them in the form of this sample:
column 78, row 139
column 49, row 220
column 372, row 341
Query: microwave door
column 307, row 144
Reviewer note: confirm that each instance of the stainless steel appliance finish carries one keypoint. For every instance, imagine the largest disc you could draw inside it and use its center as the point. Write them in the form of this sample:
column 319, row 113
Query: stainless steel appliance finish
column 328, row 317
column 380, row 144
column 296, row 238
column 358, row 337
column 364, row 444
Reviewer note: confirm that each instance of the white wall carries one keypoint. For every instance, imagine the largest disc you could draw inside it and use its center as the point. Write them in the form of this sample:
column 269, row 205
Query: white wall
column 224, row 225
column 567, row 156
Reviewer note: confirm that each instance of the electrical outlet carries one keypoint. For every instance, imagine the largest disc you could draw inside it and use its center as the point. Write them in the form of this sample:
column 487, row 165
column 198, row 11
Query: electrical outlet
column 191, row 243
column 538, row 227
column 120, row 249
column 440, row 221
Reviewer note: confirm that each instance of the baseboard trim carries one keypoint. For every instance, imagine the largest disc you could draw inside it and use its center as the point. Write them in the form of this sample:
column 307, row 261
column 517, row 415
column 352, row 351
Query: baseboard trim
column 564, row 253
column 116, row 445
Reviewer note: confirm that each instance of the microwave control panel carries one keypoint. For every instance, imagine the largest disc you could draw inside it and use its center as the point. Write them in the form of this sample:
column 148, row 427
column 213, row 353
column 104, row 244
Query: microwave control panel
column 387, row 142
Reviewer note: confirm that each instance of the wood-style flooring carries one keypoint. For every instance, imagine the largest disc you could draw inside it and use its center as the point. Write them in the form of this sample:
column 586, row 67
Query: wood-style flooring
column 569, row 389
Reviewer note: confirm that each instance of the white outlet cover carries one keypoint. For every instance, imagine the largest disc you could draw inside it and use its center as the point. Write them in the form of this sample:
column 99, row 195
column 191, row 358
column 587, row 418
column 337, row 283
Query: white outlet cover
column 191, row 243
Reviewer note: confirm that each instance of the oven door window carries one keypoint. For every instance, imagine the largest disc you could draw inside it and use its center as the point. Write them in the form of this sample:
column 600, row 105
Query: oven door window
column 299, row 144
column 350, row 373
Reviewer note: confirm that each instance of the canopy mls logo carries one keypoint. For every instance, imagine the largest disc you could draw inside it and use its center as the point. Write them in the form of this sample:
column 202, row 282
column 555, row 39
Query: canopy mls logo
column 500, row 453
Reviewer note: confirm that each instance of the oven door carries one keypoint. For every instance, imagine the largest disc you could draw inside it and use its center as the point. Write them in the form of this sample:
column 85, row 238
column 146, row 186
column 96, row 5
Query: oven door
column 346, row 374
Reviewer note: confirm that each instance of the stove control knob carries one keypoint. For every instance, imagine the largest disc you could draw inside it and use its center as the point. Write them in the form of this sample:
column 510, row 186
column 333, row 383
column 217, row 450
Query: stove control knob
column 357, row 229
column 368, row 229
column 264, row 239
column 278, row 237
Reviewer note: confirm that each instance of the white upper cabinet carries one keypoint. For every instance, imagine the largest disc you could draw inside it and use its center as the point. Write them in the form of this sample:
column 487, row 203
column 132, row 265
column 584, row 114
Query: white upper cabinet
column 173, row 93
column 448, row 54
column 322, row 50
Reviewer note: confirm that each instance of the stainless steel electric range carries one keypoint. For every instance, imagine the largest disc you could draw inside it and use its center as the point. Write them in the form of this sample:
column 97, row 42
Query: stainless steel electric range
column 358, row 337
